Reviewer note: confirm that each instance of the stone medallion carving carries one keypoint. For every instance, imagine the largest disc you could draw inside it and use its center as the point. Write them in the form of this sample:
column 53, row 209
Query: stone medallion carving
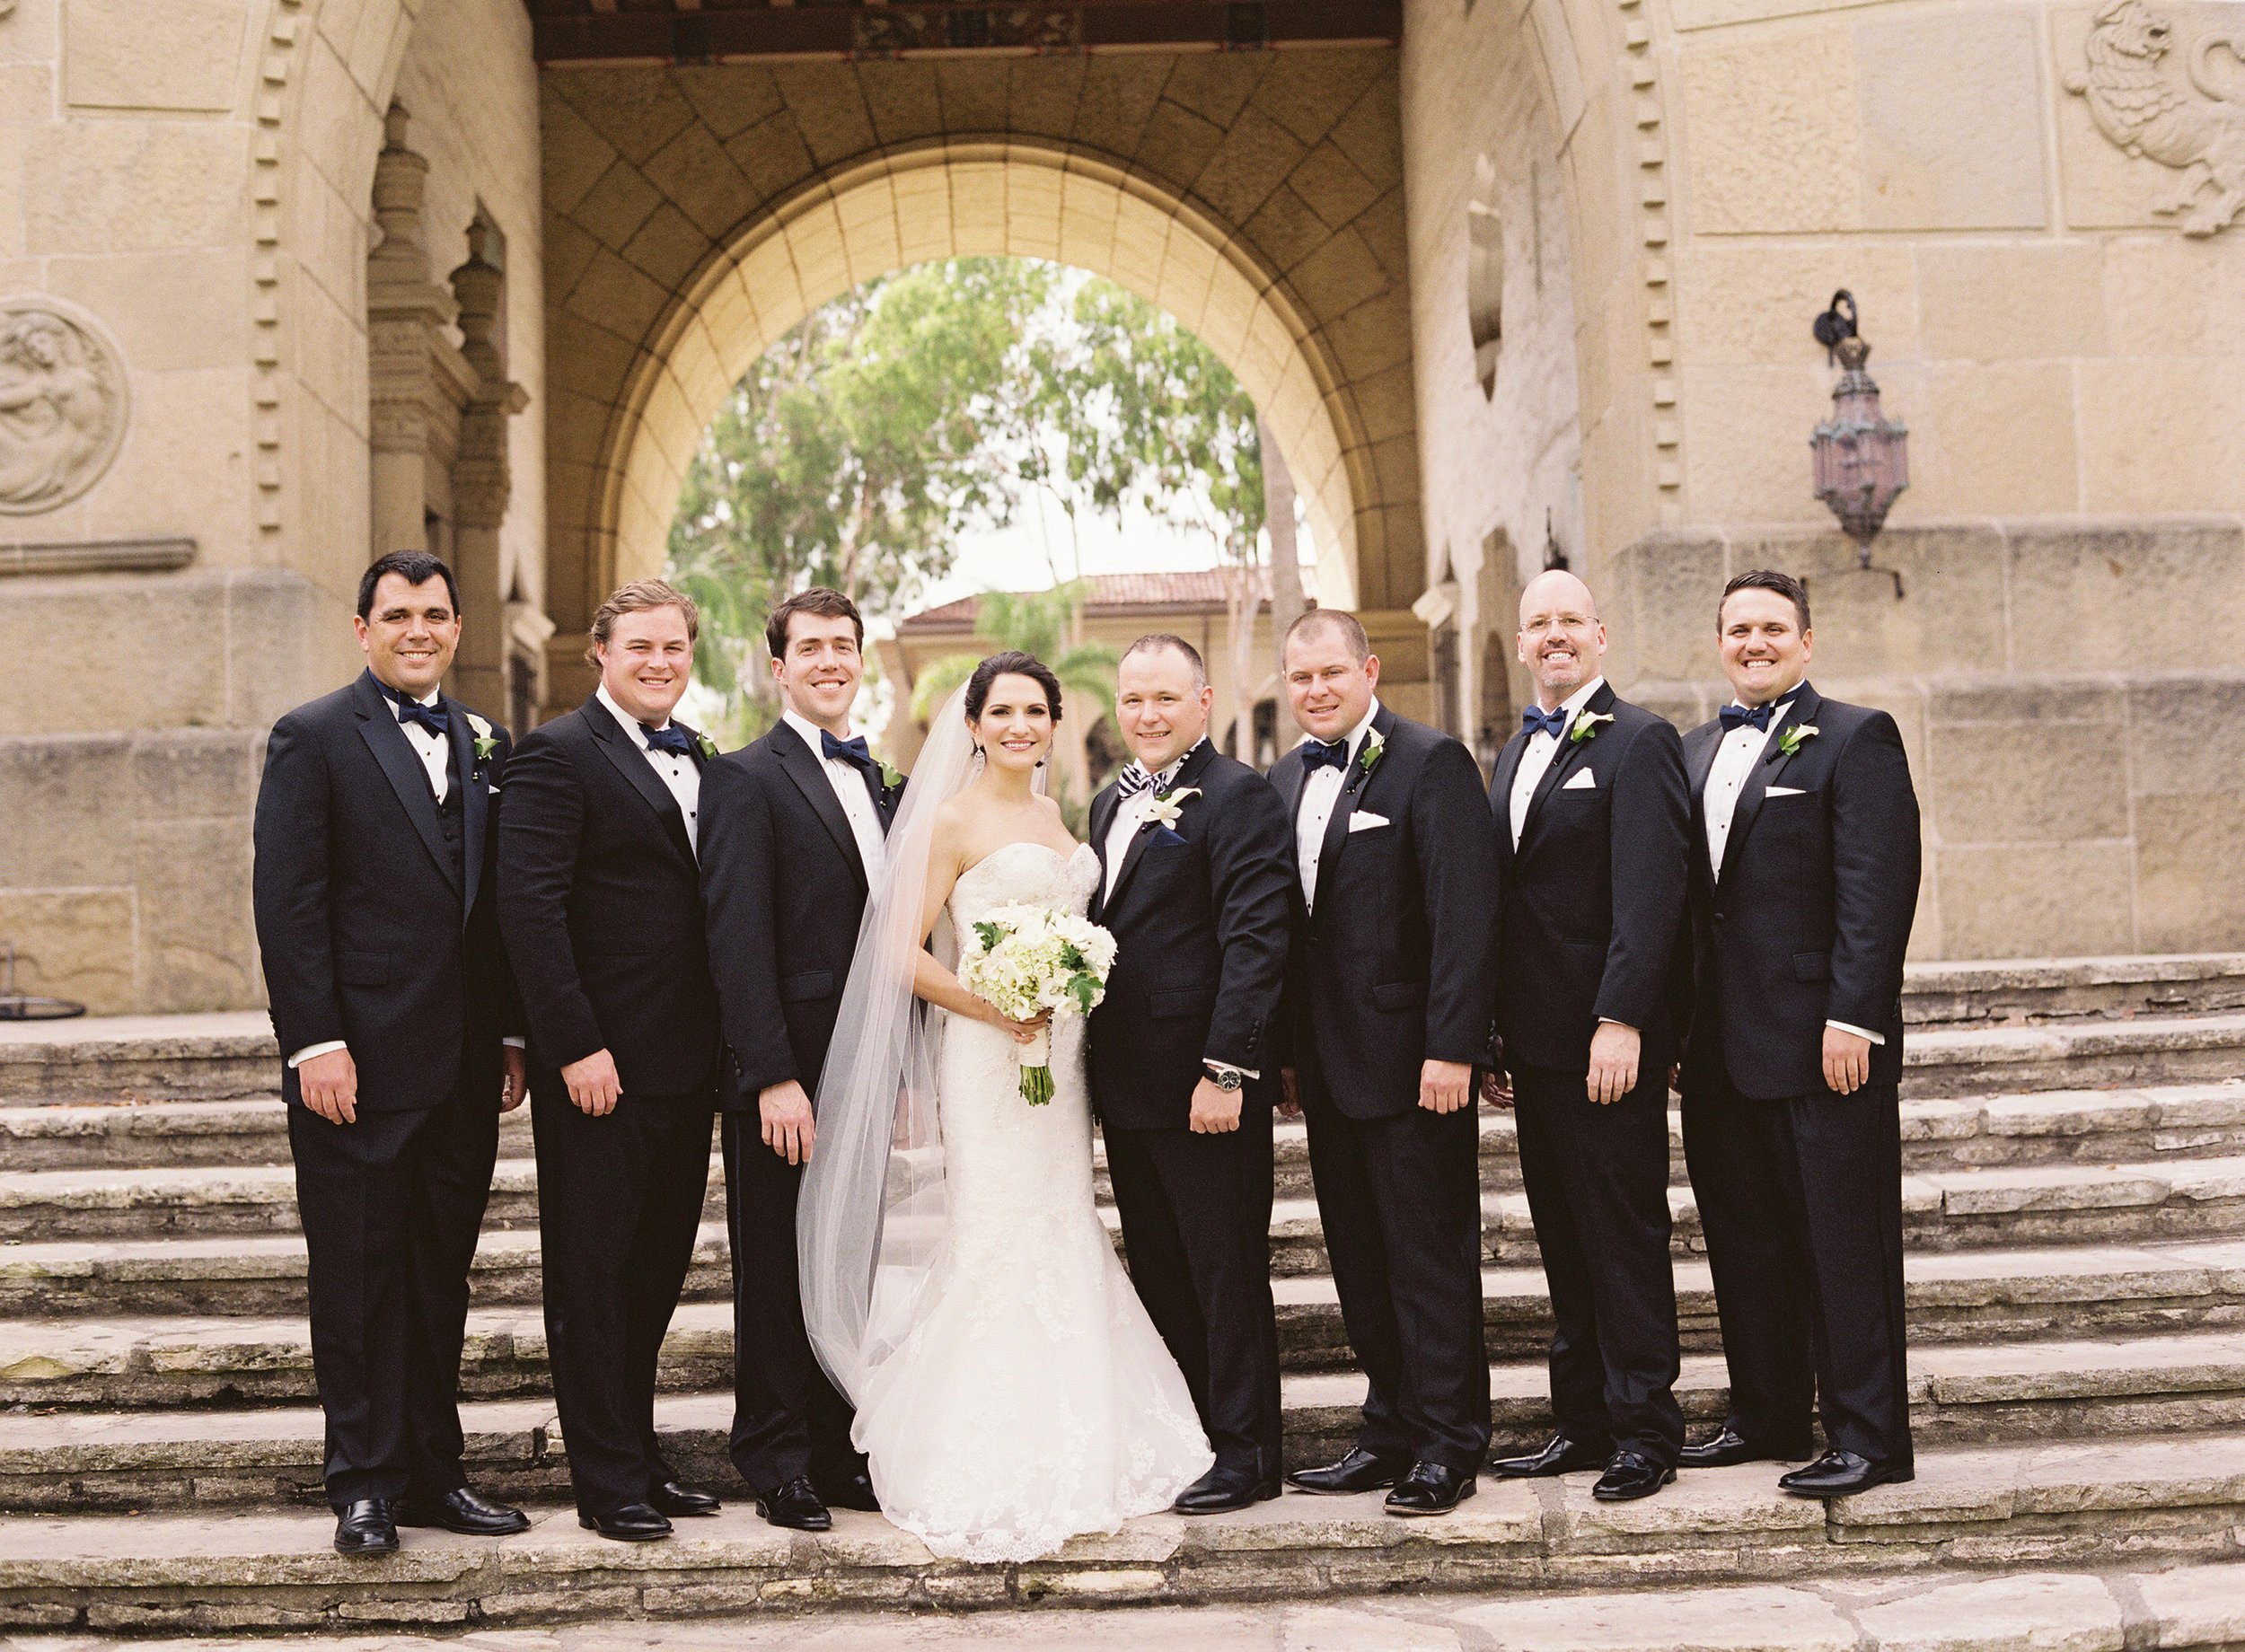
column 2167, row 81
column 63, row 404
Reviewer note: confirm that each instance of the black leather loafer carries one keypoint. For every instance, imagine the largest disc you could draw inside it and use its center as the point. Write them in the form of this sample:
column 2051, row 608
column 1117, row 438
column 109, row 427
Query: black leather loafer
column 1560, row 1455
column 1725, row 1447
column 674, row 1499
column 1843, row 1473
column 634, row 1522
column 796, row 1507
column 1223, row 1488
column 850, row 1491
column 462, row 1511
column 1629, row 1477
column 1360, row 1471
column 1430, row 1488
column 364, row 1526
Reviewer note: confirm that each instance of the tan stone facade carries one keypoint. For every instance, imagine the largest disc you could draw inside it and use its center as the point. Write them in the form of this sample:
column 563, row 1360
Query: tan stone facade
column 286, row 283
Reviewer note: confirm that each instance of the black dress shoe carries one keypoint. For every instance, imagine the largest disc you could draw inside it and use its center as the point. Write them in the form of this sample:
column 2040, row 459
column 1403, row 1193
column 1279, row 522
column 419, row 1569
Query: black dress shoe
column 462, row 1511
column 1358, row 1470
column 634, row 1522
column 1843, row 1473
column 363, row 1526
column 1630, row 1476
column 1430, row 1488
column 849, row 1491
column 796, row 1507
column 1223, row 1488
column 1725, row 1447
column 674, row 1499
column 1560, row 1455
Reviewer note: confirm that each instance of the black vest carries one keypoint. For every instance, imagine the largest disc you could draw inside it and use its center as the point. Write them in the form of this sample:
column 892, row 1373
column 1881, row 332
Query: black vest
column 449, row 818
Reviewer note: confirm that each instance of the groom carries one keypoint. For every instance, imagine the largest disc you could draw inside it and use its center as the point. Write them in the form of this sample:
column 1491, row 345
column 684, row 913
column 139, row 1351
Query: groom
column 1195, row 886
column 791, row 841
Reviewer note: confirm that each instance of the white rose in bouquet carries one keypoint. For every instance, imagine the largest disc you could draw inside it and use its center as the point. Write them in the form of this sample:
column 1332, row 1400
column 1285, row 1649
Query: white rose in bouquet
column 1027, row 960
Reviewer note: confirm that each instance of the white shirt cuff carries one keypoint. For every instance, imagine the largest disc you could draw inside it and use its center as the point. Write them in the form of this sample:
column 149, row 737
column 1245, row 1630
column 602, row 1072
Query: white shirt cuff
column 1859, row 1031
column 310, row 1051
column 1607, row 1021
column 1226, row 1067
column 515, row 1043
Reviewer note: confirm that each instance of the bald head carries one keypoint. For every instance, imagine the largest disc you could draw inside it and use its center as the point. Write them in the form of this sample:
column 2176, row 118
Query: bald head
column 1560, row 640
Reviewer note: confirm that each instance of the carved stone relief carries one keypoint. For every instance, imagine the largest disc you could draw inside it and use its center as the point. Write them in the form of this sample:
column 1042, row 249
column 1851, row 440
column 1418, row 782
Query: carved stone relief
column 2167, row 83
column 63, row 404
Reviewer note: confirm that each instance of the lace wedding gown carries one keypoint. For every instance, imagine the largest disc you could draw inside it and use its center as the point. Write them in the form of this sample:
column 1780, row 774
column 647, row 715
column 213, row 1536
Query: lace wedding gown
column 1032, row 1400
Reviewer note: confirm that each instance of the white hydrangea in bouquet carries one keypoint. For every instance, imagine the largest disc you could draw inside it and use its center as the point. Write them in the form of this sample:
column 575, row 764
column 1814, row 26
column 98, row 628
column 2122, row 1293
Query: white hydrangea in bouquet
column 1029, row 960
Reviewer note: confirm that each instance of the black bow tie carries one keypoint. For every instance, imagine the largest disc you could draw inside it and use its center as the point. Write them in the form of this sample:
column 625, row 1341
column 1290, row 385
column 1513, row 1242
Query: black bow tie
column 853, row 749
column 434, row 718
column 1320, row 754
column 1741, row 716
column 1535, row 720
column 669, row 738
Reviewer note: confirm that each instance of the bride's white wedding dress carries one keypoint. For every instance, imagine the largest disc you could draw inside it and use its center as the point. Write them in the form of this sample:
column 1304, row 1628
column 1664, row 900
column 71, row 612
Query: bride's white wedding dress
column 1032, row 1400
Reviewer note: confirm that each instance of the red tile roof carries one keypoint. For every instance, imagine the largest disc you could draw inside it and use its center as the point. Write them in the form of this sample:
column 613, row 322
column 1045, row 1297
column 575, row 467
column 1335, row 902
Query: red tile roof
column 1202, row 591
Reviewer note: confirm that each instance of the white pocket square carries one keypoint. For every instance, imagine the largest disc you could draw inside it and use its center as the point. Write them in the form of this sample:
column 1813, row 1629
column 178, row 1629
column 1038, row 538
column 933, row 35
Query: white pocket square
column 1784, row 791
column 1580, row 781
column 1364, row 820
column 494, row 791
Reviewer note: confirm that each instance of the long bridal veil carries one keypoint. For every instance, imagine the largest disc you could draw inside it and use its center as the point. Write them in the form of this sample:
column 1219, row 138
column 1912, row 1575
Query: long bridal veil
column 872, row 1219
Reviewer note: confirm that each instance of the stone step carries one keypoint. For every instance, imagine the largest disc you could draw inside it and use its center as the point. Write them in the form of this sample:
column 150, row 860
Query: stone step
column 2137, row 1502
column 65, row 1462
column 2199, row 1121
column 2029, row 991
column 125, row 1361
column 1963, row 1061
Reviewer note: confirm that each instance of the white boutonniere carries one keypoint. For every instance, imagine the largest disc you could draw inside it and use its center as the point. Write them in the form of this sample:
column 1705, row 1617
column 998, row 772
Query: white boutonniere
column 1795, row 736
column 1367, row 759
column 1168, row 809
column 487, row 741
column 1587, row 726
column 706, row 747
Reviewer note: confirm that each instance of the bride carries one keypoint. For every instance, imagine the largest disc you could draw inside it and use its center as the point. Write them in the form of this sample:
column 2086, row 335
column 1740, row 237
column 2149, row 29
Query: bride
column 957, row 1283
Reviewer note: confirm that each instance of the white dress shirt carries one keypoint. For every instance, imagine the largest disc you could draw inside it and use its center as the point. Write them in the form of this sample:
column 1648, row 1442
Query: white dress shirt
column 1740, row 749
column 431, row 748
column 1131, row 814
column 848, row 782
column 1542, row 747
column 682, row 775
column 1320, row 792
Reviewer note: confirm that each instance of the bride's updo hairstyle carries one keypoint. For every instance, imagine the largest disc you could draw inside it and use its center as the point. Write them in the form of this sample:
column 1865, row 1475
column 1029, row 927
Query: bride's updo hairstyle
column 1012, row 662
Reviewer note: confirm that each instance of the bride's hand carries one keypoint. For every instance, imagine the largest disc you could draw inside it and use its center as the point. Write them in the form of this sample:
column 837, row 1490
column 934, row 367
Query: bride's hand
column 1020, row 1032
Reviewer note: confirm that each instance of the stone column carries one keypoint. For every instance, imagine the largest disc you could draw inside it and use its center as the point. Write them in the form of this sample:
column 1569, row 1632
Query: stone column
column 482, row 482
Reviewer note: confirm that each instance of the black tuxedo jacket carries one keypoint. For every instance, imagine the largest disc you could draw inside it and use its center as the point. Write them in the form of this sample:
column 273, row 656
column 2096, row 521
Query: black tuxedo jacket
column 1592, row 899
column 784, row 888
column 1200, row 914
column 601, row 904
column 369, row 931
column 1811, row 915
column 1395, row 962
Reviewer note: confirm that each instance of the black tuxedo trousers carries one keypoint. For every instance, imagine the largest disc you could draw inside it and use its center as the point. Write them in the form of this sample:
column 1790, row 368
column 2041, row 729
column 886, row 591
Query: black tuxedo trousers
column 1598, row 1187
column 391, row 1206
column 1196, row 1229
column 619, row 1206
column 1800, row 1201
column 1400, row 1199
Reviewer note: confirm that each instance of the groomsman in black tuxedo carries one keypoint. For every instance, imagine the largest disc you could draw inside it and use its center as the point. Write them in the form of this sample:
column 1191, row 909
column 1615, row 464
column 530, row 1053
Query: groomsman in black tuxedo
column 792, row 839
column 601, row 903
column 393, row 1003
column 1196, row 885
column 1392, row 986
column 1593, row 825
column 1805, row 872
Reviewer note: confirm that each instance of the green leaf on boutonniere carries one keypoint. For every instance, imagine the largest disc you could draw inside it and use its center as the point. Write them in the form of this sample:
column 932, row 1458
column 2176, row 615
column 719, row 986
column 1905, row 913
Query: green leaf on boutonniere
column 1587, row 726
column 1795, row 736
column 486, row 742
column 1375, row 748
column 891, row 778
column 707, row 747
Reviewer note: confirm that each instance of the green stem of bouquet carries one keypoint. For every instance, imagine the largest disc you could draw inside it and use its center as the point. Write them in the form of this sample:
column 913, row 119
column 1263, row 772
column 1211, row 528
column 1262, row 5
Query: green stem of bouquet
column 1036, row 1085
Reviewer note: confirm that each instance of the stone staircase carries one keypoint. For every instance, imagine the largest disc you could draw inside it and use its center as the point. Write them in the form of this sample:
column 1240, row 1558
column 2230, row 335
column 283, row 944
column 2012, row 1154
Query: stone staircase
column 2074, row 1200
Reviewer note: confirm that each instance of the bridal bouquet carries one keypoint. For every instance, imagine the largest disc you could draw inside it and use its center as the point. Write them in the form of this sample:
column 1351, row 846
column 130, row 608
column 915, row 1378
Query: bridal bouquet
column 1027, row 960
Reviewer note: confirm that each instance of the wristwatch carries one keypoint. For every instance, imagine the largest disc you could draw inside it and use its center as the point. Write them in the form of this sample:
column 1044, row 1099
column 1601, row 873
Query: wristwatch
column 1224, row 1079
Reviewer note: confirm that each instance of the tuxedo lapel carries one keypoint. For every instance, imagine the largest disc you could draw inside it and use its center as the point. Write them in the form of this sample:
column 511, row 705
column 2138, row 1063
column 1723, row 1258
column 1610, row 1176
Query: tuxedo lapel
column 1509, row 762
column 808, row 772
column 631, row 762
column 475, row 802
column 401, row 767
column 1345, row 805
column 1101, row 821
column 1571, row 751
column 1188, row 772
column 1767, row 766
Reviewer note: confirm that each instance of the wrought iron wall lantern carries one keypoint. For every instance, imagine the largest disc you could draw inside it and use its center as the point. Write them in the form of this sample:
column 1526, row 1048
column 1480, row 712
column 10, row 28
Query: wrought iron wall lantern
column 1862, row 457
